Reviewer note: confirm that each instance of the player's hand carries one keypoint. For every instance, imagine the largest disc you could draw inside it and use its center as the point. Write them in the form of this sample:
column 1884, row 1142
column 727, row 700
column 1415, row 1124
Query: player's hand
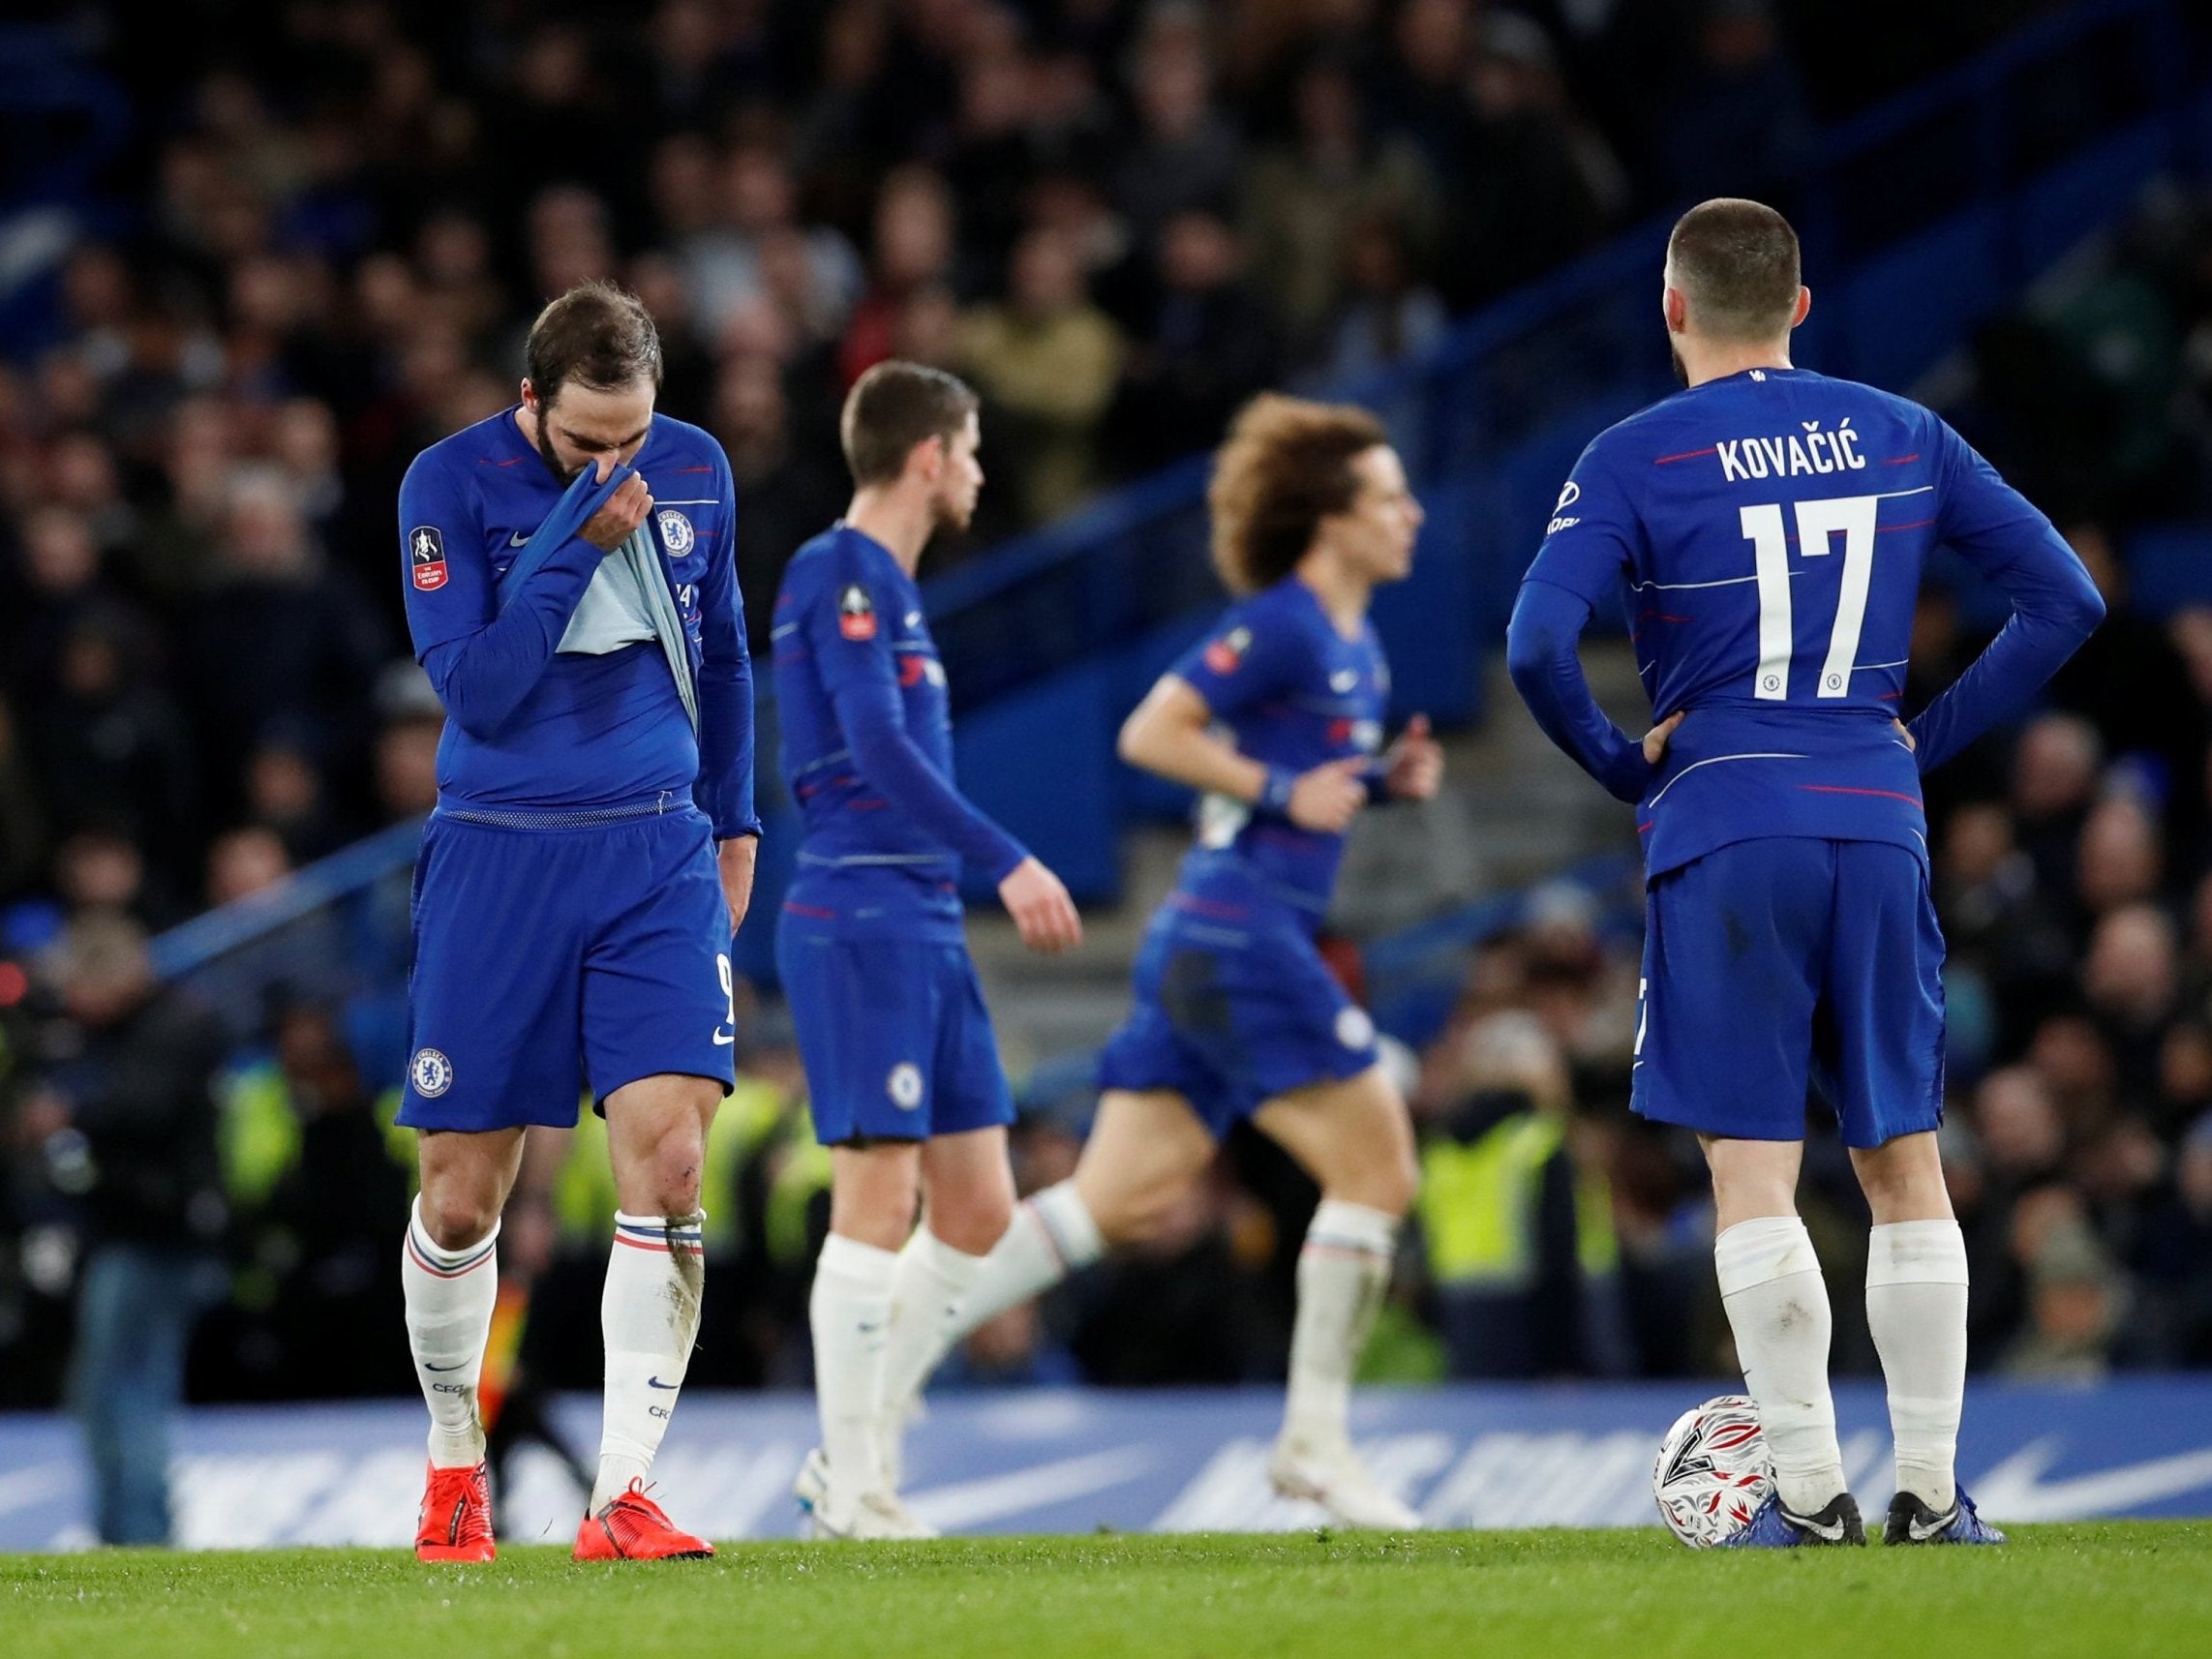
column 1041, row 908
column 1655, row 739
column 1912, row 743
column 736, row 858
column 1413, row 769
column 625, row 509
column 1330, row 797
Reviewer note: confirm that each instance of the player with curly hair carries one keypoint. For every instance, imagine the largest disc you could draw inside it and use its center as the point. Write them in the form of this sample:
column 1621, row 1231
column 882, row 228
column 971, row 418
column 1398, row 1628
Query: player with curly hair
column 1276, row 718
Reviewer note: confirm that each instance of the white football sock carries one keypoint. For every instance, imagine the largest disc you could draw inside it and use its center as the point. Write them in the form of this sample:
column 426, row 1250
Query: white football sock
column 1777, row 1306
column 1915, row 1303
column 1343, row 1271
column 649, row 1314
column 850, row 1312
column 449, row 1297
column 926, row 1290
column 1051, row 1235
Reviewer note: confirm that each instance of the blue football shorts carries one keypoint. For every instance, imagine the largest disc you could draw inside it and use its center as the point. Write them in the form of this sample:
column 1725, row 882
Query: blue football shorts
column 1234, row 1006
column 893, row 1034
column 547, row 961
column 1775, row 965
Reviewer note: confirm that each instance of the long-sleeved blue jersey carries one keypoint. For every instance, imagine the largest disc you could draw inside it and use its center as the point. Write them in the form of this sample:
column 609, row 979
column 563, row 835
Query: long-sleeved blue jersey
column 868, row 750
column 1767, row 531
column 533, row 727
column 1294, row 694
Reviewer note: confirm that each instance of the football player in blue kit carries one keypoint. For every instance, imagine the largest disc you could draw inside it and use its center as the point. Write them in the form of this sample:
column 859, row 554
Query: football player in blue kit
column 571, row 592
column 1767, row 528
column 902, row 1070
column 1276, row 718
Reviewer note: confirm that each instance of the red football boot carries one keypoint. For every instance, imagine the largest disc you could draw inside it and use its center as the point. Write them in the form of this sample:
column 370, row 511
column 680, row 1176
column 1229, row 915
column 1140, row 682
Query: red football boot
column 631, row 1527
column 456, row 1520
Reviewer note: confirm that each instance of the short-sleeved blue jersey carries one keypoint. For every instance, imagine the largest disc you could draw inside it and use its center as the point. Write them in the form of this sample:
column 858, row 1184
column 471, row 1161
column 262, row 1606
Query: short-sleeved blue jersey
column 1293, row 693
column 867, row 749
column 573, row 732
column 1767, row 531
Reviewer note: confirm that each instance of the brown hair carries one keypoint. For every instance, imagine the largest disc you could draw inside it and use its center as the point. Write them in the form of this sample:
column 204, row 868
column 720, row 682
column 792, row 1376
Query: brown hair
column 893, row 408
column 595, row 335
column 1286, row 467
column 1735, row 263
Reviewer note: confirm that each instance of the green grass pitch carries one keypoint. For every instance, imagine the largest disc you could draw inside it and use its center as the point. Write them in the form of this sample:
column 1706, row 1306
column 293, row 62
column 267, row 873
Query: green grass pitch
column 2113, row 1588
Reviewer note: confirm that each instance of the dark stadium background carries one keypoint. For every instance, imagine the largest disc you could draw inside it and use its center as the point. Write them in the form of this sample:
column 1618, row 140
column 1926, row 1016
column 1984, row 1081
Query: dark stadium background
column 252, row 258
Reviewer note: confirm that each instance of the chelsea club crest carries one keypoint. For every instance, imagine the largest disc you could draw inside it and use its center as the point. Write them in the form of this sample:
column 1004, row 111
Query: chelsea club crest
column 675, row 532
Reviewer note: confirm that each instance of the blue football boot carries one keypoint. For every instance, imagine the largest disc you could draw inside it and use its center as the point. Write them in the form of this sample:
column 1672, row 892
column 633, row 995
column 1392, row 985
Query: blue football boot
column 1777, row 1527
column 1913, row 1522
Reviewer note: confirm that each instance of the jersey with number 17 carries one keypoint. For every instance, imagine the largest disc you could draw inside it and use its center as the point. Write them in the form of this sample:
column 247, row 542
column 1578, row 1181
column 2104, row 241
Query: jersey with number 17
column 1766, row 533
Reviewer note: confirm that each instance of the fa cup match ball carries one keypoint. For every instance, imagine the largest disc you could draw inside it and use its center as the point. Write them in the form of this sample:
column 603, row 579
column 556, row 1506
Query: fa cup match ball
column 1714, row 1471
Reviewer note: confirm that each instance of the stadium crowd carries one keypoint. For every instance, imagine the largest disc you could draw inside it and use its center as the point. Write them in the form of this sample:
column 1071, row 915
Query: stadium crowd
column 1118, row 220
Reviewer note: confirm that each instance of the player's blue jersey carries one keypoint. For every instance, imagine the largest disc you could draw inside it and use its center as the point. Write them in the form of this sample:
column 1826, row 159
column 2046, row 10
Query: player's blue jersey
column 576, row 731
column 1292, row 693
column 881, row 857
column 1767, row 531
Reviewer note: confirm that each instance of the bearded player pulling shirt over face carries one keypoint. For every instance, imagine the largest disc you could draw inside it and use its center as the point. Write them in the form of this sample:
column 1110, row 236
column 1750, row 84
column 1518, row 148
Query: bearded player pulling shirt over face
column 572, row 914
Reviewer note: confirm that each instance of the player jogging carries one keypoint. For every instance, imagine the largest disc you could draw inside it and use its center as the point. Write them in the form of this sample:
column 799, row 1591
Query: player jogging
column 1276, row 718
column 1769, row 526
column 902, row 1070
column 580, row 620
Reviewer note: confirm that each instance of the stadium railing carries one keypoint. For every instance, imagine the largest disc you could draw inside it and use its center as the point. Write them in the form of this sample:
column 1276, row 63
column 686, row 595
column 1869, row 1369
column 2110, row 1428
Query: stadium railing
column 2017, row 156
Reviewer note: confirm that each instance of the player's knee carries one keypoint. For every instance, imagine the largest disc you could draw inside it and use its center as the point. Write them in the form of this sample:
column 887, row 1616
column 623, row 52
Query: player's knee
column 1140, row 1216
column 673, row 1166
column 1397, row 1180
column 457, row 1218
column 973, row 1222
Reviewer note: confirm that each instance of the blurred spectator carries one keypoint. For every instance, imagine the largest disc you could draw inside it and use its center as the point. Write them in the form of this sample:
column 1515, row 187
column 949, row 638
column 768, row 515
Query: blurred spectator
column 2054, row 780
column 129, row 1075
column 330, row 1218
column 1519, row 1245
column 2131, row 683
column 1184, row 154
column 109, row 749
column 759, row 202
column 913, row 249
column 2131, row 977
column 407, row 765
column 284, row 794
column 1045, row 362
column 105, row 871
column 1386, row 317
column 1741, row 126
column 282, row 648
column 1302, row 198
column 244, row 863
column 1206, row 347
column 788, row 496
column 1534, row 186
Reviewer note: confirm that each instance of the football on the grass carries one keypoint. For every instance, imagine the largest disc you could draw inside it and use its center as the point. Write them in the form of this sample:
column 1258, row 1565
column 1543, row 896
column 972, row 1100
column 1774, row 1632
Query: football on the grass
column 1714, row 1471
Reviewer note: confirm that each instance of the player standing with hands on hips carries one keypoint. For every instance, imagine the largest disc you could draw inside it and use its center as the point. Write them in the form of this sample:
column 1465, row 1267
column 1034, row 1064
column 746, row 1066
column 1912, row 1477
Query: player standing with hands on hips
column 902, row 1071
column 1276, row 717
column 571, row 592
column 1768, row 527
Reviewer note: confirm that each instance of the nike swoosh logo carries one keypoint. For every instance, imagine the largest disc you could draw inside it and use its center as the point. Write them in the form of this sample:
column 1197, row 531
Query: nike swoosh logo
column 517, row 542
column 655, row 1382
column 1934, row 1529
column 721, row 1041
column 427, row 1366
column 1832, row 1530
